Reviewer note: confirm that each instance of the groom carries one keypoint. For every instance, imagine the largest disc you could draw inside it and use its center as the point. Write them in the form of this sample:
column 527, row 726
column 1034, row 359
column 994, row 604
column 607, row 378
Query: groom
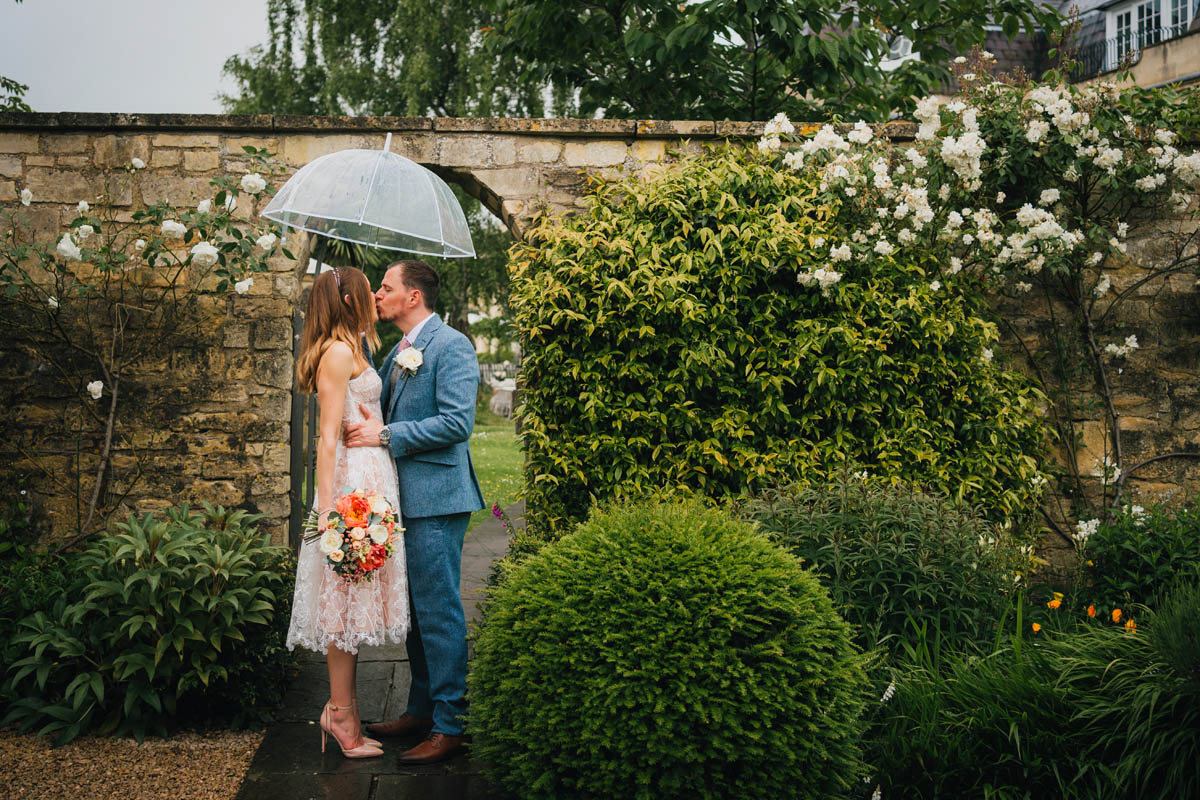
column 429, row 385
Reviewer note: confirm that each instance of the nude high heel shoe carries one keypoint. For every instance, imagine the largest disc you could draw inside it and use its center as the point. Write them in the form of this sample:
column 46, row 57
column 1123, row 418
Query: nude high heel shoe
column 362, row 751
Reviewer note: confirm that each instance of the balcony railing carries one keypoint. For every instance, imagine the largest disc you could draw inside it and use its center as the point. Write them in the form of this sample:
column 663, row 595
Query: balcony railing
column 1112, row 53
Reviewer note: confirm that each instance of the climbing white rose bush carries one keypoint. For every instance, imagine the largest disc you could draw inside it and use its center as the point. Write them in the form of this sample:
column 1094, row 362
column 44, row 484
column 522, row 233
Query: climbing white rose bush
column 1010, row 189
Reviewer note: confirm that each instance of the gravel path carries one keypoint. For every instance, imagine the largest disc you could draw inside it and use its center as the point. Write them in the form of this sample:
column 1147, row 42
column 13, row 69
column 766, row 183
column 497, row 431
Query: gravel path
column 188, row 766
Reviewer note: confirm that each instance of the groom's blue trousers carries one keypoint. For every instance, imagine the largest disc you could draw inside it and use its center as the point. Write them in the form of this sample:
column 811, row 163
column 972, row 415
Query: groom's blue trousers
column 437, row 639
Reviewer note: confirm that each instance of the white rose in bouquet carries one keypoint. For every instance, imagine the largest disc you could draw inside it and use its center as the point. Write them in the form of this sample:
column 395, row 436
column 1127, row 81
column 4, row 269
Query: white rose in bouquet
column 379, row 505
column 204, row 255
column 330, row 540
column 378, row 534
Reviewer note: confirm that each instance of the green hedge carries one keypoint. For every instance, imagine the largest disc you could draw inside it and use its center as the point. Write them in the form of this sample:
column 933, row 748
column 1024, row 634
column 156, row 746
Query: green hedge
column 668, row 344
column 666, row 651
column 175, row 620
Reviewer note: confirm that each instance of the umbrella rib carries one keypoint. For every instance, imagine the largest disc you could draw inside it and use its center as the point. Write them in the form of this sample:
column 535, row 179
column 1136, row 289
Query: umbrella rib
column 367, row 198
column 434, row 194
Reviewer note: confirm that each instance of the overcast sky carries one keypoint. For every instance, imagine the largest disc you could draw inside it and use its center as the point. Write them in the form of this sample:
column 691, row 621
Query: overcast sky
column 142, row 56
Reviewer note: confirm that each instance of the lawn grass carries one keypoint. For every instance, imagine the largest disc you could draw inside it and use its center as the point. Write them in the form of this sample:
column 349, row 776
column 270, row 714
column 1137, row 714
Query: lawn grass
column 496, row 454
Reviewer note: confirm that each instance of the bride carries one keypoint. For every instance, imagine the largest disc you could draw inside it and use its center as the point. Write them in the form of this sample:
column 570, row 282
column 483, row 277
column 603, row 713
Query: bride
column 329, row 615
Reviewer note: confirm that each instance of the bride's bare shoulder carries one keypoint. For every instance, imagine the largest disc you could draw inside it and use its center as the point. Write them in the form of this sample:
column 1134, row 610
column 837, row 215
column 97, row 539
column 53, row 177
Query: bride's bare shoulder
column 337, row 361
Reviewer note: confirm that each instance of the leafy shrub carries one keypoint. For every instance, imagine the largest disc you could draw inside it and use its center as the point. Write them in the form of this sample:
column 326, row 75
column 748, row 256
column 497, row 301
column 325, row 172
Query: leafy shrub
column 1140, row 552
column 1097, row 711
column 665, row 651
column 668, row 344
column 894, row 557
column 171, row 616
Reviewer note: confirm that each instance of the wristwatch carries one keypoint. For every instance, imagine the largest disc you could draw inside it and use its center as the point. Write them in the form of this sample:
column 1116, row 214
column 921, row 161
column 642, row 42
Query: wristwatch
column 385, row 436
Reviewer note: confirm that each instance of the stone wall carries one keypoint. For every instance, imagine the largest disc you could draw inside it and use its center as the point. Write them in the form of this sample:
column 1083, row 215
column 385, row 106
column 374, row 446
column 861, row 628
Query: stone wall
column 214, row 424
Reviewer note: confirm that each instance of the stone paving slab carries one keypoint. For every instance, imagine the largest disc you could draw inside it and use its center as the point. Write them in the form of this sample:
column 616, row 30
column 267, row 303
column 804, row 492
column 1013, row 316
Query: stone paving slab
column 289, row 764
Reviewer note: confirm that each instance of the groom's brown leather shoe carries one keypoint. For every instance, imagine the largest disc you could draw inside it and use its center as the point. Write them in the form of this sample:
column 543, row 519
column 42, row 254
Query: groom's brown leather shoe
column 436, row 747
column 403, row 725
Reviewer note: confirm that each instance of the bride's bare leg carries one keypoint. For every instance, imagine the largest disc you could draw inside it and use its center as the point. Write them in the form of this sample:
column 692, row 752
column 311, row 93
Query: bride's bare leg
column 343, row 667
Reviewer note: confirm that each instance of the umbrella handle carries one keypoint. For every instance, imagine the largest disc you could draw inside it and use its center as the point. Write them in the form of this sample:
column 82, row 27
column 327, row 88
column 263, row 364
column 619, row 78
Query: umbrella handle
column 387, row 143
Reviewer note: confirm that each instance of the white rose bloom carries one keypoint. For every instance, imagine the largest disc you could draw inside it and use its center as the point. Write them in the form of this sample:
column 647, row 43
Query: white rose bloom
column 379, row 504
column 1166, row 137
column 84, row 232
column 955, row 265
column 52, row 301
column 1188, row 168
column 906, row 236
column 884, row 248
column 1000, row 197
column 67, row 249
column 204, row 255
column 173, row 229
column 1037, row 130
column 83, row 207
column 779, row 124
column 378, row 534
column 137, row 163
column 330, row 540
column 243, row 286
column 357, row 534
column 769, row 144
column 336, row 555
column 935, row 285
column 266, row 241
column 1102, row 285
column 1024, row 287
column 26, row 197
column 410, row 358
column 862, row 133
column 253, row 183
column 840, row 253
column 793, row 159
column 986, row 355
column 139, row 245
column 1151, row 182
column 1048, row 197
column 205, row 207
column 95, row 389
column 1108, row 158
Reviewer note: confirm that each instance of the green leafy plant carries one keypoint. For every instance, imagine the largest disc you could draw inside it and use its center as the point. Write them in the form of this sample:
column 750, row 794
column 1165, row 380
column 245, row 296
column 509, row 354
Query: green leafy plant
column 1100, row 709
column 663, row 651
column 164, row 620
column 1137, row 552
column 894, row 557
column 668, row 344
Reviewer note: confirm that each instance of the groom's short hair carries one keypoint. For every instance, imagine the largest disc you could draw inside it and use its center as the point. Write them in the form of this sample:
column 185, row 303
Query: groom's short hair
column 416, row 274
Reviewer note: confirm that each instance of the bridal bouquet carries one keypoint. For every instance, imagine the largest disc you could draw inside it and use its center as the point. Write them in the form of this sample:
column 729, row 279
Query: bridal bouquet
column 360, row 537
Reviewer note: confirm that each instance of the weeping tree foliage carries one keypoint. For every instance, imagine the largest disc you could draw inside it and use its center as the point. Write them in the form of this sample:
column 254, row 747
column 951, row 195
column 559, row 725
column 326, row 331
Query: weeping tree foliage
column 380, row 58
column 748, row 59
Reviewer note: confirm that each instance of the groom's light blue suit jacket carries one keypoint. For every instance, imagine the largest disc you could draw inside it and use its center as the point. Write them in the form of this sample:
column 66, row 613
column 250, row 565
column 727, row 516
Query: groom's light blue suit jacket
column 431, row 413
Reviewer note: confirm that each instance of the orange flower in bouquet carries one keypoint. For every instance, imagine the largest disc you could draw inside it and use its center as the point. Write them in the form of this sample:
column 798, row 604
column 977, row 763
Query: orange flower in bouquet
column 361, row 536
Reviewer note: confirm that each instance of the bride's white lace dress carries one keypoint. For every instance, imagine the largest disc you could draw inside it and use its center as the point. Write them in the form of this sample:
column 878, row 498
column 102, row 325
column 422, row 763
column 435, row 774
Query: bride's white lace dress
column 326, row 610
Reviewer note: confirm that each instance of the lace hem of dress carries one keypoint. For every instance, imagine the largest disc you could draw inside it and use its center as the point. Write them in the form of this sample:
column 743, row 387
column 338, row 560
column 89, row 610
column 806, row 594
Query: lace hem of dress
column 348, row 644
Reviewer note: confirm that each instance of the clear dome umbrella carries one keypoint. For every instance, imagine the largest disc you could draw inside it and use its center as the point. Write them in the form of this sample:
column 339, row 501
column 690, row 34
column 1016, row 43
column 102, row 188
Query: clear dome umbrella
column 375, row 198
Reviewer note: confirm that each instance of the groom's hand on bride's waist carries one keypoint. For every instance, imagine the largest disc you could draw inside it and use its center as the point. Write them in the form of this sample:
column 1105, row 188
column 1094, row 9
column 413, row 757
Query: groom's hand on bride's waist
column 365, row 433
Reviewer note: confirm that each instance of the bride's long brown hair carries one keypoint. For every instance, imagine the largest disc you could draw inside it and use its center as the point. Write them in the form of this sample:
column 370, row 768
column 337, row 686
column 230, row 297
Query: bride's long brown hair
column 339, row 310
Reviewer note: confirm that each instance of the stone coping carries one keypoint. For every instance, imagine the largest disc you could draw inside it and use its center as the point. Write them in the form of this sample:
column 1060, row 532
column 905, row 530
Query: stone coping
column 268, row 123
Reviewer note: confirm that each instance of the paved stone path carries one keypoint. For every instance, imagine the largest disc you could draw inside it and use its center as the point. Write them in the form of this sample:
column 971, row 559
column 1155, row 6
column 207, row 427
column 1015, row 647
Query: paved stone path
column 289, row 764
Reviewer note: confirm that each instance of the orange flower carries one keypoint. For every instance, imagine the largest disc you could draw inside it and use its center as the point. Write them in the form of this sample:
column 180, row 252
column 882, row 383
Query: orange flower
column 1116, row 615
column 355, row 510
column 1055, row 601
column 1091, row 611
column 1036, row 627
column 1130, row 626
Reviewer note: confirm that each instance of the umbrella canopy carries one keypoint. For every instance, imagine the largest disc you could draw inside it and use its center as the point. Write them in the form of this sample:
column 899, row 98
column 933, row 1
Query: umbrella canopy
column 376, row 198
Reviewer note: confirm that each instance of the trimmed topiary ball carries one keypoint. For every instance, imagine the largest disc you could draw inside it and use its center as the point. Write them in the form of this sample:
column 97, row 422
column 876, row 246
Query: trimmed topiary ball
column 664, row 651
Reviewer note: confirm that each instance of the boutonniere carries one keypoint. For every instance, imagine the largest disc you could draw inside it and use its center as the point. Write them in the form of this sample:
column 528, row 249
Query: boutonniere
column 409, row 360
